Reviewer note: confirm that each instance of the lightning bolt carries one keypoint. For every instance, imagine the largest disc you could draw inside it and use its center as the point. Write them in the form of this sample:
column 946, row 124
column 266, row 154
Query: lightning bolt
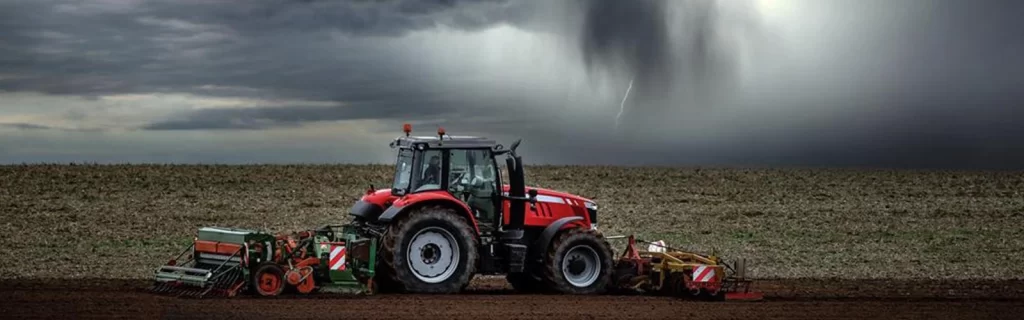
column 622, row 105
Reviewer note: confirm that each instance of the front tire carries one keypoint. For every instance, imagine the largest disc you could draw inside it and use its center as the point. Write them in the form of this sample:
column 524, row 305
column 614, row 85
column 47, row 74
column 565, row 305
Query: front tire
column 432, row 250
column 579, row 262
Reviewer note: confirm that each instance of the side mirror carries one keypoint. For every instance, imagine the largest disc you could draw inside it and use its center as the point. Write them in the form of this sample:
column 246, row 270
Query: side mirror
column 533, row 195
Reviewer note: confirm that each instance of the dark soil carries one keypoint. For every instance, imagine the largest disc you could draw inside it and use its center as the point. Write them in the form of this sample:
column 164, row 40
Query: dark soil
column 490, row 298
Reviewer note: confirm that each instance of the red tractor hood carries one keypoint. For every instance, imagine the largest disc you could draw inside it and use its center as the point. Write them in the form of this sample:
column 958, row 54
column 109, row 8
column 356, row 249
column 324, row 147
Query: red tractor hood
column 384, row 198
column 548, row 194
column 381, row 197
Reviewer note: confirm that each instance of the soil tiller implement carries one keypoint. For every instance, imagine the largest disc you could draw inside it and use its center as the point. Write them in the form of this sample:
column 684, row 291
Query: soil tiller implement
column 226, row 261
column 664, row 270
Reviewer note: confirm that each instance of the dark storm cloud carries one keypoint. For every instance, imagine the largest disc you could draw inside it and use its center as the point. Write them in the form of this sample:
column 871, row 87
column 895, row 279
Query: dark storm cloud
column 364, row 18
column 672, row 51
column 931, row 83
column 631, row 38
column 430, row 104
column 166, row 46
column 630, row 34
column 259, row 49
column 272, row 117
column 954, row 97
column 54, row 51
column 39, row 127
column 24, row 126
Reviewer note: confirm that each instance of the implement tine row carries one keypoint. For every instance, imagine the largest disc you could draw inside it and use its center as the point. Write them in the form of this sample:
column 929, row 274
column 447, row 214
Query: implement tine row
column 667, row 270
column 198, row 280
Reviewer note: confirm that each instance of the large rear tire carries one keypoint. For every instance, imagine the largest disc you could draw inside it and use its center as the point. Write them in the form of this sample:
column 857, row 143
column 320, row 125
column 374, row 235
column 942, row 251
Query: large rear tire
column 432, row 250
column 384, row 279
column 579, row 262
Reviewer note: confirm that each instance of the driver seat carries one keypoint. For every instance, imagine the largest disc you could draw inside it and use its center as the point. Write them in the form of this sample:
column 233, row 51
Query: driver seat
column 481, row 202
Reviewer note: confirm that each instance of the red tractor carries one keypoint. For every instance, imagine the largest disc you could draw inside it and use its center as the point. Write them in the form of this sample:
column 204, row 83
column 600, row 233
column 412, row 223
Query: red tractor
column 449, row 216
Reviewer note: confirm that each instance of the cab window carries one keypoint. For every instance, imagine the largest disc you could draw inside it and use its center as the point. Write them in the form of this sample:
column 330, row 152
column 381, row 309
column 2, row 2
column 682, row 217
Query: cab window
column 430, row 171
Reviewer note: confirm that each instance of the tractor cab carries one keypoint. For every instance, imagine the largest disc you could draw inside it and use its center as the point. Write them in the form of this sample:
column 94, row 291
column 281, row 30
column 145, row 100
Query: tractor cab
column 464, row 167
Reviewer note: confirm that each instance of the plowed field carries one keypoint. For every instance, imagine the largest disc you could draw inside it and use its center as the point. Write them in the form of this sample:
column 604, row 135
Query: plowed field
column 487, row 299
column 836, row 243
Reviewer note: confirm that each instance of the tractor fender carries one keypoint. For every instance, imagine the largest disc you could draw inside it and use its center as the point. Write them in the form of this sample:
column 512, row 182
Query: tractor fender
column 390, row 214
column 541, row 244
column 399, row 209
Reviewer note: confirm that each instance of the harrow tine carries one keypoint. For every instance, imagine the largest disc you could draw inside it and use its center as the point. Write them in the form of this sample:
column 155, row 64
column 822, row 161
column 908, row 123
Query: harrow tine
column 222, row 286
column 160, row 288
column 205, row 292
column 186, row 292
column 175, row 291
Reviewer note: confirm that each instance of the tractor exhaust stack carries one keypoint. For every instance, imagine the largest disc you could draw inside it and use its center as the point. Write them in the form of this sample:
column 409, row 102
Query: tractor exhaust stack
column 516, row 193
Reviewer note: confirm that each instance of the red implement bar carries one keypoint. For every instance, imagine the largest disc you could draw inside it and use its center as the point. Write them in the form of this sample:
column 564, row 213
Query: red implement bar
column 217, row 247
column 744, row 296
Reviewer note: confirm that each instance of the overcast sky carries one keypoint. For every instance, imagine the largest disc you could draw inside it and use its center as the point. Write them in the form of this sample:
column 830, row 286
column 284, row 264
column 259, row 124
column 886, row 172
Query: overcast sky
column 877, row 83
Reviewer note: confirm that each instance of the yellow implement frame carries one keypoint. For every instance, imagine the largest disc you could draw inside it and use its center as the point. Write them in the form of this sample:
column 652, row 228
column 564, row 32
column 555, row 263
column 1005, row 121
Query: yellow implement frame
column 671, row 272
column 664, row 264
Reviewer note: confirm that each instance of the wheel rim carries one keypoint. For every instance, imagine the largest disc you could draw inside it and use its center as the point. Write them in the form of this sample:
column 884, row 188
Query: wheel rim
column 433, row 255
column 581, row 266
column 307, row 285
column 269, row 283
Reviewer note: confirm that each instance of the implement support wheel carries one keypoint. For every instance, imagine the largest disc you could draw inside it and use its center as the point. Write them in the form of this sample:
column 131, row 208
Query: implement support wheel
column 308, row 284
column 268, row 280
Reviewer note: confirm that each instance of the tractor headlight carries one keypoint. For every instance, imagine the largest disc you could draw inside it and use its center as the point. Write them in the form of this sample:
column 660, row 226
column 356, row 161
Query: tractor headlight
column 592, row 213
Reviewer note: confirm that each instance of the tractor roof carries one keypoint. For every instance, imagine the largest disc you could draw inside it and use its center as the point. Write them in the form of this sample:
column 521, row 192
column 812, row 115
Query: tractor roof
column 453, row 142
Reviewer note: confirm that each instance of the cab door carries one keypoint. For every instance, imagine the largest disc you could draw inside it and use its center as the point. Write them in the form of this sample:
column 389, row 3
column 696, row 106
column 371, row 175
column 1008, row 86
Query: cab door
column 473, row 178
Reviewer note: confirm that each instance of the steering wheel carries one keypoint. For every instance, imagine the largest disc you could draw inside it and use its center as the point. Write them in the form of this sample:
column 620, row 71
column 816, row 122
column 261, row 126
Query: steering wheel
column 456, row 179
column 459, row 187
